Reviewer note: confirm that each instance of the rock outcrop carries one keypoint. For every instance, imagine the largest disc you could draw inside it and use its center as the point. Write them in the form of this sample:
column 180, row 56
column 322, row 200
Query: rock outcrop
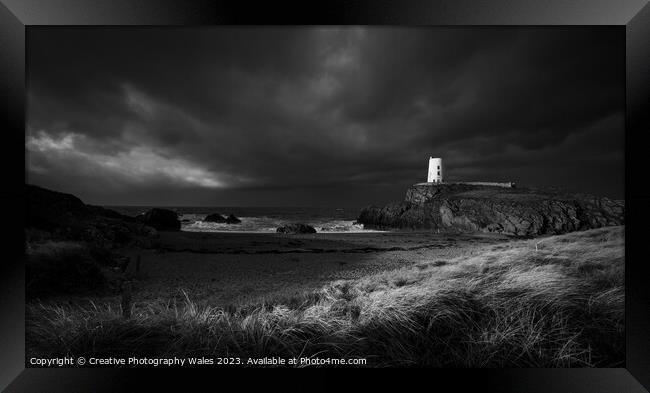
column 296, row 228
column 214, row 217
column 231, row 219
column 162, row 219
column 64, row 216
column 516, row 211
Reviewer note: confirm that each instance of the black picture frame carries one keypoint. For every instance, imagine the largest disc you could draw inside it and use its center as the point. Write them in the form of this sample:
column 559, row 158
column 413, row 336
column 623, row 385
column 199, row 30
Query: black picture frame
column 631, row 15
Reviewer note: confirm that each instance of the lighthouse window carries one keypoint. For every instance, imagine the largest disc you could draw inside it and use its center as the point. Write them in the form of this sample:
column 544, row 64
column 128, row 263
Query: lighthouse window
column 438, row 167
column 438, row 173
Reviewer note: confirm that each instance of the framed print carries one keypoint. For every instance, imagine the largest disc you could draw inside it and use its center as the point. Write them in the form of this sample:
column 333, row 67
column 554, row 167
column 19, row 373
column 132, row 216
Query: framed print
column 200, row 188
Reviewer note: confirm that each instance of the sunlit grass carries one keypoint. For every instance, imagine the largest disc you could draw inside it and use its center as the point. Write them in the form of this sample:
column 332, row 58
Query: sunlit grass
column 552, row 302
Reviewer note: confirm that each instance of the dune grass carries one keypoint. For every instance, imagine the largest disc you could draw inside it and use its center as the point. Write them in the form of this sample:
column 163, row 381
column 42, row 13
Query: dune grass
column 551, row 302
column 64, row 267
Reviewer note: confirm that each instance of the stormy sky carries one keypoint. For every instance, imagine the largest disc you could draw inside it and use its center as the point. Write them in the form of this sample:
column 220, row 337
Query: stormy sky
column 323, row 116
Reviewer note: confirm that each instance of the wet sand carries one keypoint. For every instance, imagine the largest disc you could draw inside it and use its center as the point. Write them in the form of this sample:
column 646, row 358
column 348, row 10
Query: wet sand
column 224, row 269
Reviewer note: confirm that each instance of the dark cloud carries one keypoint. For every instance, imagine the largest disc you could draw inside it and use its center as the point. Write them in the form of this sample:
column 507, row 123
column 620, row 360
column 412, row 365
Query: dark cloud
column 318, row 116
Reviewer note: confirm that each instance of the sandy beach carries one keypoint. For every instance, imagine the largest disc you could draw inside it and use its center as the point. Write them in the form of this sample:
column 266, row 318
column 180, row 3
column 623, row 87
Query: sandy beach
column 222, row 269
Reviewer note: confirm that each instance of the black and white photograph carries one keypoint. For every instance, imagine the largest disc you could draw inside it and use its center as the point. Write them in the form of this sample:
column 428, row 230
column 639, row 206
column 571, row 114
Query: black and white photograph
column 325, row 196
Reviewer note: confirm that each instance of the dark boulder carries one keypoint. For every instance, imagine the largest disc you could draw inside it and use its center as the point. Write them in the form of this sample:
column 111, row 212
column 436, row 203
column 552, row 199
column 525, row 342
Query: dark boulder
column 232, row 219
column 162, row 219
column 296, row 228
column 214, row 217
column 516, row 211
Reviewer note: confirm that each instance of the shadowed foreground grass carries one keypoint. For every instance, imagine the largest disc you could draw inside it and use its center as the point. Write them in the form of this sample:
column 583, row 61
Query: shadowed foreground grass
column 552, row 302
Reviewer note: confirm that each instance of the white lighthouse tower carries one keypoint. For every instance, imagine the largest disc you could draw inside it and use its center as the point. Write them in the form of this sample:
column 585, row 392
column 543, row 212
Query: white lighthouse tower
column 435, row 170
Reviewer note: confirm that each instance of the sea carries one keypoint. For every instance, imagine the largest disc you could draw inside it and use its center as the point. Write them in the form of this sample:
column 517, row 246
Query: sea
column 261, row 219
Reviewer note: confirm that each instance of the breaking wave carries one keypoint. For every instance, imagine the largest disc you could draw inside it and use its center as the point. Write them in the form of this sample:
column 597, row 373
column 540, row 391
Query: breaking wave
column 192, row 223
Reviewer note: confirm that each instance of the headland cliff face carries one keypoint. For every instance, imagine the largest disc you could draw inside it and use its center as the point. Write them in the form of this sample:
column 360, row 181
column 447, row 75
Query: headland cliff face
column 472, row 208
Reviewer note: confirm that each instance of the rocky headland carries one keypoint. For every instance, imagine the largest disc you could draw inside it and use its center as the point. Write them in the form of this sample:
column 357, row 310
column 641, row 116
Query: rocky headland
column 73, row 247
column 475, row 208
column 65, row 217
